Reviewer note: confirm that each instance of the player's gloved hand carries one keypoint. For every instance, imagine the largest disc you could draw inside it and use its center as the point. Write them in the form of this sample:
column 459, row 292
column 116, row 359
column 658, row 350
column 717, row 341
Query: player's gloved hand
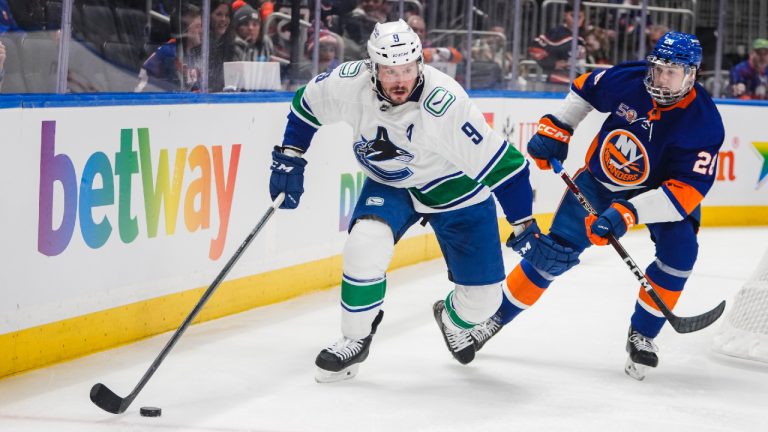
column 551, row 141
column 541, row 251
column 616, row 220
column 287, row 176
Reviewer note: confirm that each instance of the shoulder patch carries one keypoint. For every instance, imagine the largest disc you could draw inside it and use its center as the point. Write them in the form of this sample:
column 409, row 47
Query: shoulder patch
column 350, row 69
column 438, row 101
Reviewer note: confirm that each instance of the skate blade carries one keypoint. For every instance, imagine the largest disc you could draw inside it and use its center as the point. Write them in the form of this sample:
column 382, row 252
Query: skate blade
column 323, row 376
column 635, row 370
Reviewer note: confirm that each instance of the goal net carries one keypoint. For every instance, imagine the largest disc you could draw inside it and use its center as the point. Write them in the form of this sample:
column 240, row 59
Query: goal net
column 744, row 331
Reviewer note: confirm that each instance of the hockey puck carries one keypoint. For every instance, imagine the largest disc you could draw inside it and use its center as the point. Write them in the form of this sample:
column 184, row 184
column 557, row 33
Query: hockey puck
column 150, row 412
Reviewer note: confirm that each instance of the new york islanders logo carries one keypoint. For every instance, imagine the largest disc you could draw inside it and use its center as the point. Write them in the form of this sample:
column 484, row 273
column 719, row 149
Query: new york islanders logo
column 624, row 158
column 376, row 153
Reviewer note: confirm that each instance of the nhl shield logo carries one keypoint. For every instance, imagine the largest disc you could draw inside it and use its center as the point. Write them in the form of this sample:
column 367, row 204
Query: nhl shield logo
column 624, row 159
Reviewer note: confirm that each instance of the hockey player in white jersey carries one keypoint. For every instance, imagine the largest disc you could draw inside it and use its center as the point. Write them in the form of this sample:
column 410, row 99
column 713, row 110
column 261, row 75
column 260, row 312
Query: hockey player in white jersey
column 428, row 154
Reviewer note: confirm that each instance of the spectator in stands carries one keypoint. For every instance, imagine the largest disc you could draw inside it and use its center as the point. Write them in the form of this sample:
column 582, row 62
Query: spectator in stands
column 328, row 51
column 749, row 79
column 280, row 34
column 494, row 48
column 629, row 26
column 249, row 42
column 334, row 11
column 409, row 9
column 263, row 7
column 359, row 23
column 654, row 32
column 7, row 23
column 175, row 66
column 552, row 50
column 2, row 64
column 220, row 19
column 597, row 42
column 432, row 54
column 221, row 45
column 416, row 22
column 490, row 61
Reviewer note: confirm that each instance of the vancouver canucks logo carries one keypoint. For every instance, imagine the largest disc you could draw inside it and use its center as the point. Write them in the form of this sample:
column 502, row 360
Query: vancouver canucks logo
column 379, row 154
column 624, row 158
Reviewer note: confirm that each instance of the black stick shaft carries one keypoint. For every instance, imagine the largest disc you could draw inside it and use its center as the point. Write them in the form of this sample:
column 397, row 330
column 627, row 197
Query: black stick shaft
column 106, row 399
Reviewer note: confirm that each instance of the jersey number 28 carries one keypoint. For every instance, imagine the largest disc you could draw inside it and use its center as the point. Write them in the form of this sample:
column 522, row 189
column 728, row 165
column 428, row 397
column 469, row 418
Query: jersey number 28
column 705, row 165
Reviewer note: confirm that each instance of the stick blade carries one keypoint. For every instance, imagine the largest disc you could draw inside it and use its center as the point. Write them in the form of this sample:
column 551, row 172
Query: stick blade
column 107, row 400
column 698, row 322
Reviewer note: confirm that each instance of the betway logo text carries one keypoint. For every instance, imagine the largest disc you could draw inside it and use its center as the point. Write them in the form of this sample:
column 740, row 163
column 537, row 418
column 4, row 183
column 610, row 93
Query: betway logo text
column 104, row 184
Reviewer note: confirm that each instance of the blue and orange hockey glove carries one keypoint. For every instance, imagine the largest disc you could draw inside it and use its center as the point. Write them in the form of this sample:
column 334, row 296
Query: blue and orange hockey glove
column 616, row 220
column 551, row 141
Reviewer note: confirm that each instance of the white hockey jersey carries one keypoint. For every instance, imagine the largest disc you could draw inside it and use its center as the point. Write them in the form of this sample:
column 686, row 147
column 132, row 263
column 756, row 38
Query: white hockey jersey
column 438, row 145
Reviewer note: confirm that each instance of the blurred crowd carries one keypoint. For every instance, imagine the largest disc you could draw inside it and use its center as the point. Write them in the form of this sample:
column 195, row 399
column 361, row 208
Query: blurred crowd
column 162, row 47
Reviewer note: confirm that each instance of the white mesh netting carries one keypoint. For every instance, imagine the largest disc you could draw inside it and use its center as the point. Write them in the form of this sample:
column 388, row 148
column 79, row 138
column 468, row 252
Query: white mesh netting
column 744, row 331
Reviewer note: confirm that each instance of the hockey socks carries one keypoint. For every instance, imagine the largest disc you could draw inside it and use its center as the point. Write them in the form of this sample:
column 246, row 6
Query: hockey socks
column 360, row 302
column 668, row 284
column 524, row 287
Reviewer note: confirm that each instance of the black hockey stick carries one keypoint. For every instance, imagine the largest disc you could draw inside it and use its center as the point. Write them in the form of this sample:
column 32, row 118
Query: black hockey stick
column 680, row 324
column 106, row 399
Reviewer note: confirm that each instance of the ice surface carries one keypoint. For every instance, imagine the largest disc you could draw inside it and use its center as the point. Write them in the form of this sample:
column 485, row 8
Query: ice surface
column 557, row 367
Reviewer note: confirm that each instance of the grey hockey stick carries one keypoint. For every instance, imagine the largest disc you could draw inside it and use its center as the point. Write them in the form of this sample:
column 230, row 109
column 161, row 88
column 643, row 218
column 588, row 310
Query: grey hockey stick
column 105, row 398
column 680, row 324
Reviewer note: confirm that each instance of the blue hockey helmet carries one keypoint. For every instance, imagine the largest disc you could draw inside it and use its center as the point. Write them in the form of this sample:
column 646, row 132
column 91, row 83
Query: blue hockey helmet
column 679, row 48
column 675, row 51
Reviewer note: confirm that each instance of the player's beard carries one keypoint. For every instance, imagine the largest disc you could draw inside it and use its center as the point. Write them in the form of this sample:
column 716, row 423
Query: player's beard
column 399, row 94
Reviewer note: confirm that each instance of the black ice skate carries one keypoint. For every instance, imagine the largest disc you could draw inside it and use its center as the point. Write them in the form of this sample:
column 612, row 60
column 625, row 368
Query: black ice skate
column 458, row 340
column 642, row 355
column 484, row 331
column 341, row 360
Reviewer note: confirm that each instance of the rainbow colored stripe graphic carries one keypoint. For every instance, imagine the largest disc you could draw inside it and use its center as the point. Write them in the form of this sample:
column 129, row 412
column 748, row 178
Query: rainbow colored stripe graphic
column 762, row 150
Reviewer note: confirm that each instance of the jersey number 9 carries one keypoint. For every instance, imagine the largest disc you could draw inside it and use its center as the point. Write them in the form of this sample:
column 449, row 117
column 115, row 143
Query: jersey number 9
column 472, row 133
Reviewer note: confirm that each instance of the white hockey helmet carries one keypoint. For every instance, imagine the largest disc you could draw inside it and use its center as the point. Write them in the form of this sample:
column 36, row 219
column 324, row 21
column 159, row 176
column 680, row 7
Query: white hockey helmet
column 393, row 44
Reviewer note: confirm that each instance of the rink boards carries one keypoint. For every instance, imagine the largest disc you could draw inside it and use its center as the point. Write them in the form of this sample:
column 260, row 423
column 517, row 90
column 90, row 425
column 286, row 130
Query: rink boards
column 119, row 210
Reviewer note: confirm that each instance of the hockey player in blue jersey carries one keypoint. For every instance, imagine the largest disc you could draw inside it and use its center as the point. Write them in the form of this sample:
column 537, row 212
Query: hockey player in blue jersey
column 652, row 162
column 427, row 153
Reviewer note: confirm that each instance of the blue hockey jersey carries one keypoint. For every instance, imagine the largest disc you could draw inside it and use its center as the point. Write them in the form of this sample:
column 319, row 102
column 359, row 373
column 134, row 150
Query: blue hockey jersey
column 643, row 146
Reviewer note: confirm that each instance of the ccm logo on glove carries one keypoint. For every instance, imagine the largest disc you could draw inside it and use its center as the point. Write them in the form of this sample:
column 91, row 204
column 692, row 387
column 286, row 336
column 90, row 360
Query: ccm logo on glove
column 276, row 166
column 548, row 128
column 550, row 141
column 287, row 177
